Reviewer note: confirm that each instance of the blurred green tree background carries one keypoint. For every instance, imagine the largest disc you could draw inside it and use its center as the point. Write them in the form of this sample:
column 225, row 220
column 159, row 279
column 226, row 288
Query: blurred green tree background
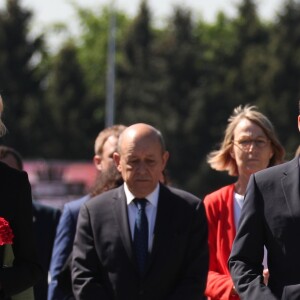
column 184, row 77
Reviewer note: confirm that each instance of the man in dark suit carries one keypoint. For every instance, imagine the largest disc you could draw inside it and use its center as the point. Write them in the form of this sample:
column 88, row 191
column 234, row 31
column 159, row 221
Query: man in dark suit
column 45, row 220
column 143, row 240
column 270, row 217
column 15, row 207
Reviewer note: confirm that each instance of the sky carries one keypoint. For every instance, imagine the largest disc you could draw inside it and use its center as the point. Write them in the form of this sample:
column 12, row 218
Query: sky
column 47, row 12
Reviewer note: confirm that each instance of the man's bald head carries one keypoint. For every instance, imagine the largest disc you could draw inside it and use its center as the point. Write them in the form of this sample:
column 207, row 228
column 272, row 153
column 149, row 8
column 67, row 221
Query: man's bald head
column 141, row 158
column 141, row 131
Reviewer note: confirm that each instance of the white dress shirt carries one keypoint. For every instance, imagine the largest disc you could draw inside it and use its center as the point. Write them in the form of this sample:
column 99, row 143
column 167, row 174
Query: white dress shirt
column 238, row 204
column 151, row 210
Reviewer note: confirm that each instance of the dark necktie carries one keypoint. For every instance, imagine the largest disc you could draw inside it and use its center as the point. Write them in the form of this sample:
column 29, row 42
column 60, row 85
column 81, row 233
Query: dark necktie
column 140, row 239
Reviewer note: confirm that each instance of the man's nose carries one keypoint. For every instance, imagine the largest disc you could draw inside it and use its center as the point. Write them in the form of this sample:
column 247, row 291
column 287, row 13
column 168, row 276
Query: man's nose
column 142, row 167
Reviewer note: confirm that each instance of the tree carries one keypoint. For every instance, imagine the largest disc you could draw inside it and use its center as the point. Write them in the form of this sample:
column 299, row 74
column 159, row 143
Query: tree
column 20, row 79
column 137, row 74
column 249, row 60
column 282, row 77
column 92, row 56
column 235, row 59
column 69, row 135
column 76, row 86
column 182, row 96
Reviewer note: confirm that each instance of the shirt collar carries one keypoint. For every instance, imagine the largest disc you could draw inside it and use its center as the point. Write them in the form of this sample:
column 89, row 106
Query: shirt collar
column 152, row 197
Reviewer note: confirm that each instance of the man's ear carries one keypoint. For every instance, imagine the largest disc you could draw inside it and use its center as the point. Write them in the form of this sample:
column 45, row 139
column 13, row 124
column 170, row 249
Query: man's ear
column 165, row 159
column 117, row 158
column 299, row 122
column 97, row 162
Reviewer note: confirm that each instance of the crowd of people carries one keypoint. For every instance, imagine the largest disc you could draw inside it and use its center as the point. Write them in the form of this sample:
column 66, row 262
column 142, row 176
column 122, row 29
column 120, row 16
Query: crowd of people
column 135, row 236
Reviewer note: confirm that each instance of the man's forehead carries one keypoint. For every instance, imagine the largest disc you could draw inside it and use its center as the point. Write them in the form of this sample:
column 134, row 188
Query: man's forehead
column 132, row 150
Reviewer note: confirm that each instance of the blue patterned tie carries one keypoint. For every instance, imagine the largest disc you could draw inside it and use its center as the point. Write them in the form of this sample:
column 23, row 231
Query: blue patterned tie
column 140, row 239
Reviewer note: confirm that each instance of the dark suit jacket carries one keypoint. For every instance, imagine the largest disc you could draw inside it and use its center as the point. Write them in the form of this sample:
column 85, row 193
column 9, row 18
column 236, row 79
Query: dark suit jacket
column 63, row 246
column 16, row 208
column 45, row 220
column 270, row 216
column 291, row 292
column 104, row 266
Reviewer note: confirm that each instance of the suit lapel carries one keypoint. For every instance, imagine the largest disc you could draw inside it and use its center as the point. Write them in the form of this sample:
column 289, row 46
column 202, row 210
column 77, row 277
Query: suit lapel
column 290, row 186
column 121, row 215
column 162, row 230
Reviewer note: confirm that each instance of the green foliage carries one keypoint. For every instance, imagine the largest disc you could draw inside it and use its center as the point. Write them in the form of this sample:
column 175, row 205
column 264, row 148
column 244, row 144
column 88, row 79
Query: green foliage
column 92, row 47
column 281, row 85
column 185, row 78
column 67, row 107
column 137, row 76
column 20, row 81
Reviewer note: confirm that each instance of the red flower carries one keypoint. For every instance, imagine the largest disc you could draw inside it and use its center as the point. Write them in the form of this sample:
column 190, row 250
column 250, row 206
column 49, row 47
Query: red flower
column 6, row 234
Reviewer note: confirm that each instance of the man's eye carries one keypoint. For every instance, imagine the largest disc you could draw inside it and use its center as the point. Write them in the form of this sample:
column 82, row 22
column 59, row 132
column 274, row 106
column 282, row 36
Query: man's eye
column 132, row 162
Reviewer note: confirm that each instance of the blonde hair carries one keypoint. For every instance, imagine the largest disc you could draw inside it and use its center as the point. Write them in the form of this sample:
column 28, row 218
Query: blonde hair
column 2, row 126
column 102, row 137
column 221, row 160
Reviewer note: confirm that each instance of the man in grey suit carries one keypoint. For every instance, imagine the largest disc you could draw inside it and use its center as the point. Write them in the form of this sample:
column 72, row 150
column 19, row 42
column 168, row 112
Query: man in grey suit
column 271, row 218
column 107, row 258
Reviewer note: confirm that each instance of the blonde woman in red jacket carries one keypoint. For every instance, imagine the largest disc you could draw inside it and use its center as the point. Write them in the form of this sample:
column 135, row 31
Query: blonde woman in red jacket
column 250, row 144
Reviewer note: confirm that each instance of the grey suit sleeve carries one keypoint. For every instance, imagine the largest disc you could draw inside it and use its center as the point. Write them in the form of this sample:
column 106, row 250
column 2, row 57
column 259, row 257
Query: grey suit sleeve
column 291, row 292
column 86, row 268
column 245, row 261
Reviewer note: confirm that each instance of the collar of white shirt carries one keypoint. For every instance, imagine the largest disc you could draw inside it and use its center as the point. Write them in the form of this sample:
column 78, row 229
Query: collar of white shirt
column 152, row 197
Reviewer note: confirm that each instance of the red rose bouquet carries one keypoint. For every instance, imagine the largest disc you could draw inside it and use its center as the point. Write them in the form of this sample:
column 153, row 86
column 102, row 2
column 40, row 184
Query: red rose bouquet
column 6, row 234
column 6, row 240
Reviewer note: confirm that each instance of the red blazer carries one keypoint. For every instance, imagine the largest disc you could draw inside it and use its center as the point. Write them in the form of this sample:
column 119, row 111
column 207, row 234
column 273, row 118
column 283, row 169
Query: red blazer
column 219, row 207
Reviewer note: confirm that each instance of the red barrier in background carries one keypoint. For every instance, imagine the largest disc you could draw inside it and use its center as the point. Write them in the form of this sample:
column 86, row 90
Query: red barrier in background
column 57, row 182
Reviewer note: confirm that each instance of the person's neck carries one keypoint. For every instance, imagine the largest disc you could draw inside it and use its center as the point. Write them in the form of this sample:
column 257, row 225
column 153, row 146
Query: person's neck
column 241, row 185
